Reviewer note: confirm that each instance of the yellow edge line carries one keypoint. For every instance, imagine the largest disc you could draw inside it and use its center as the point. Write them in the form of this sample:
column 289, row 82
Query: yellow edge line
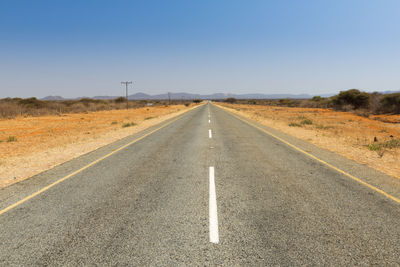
column 16, row 204
column 320, row 160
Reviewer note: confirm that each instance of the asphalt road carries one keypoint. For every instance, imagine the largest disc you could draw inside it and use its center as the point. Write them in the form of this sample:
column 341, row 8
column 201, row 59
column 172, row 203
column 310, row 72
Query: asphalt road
column 153, row 203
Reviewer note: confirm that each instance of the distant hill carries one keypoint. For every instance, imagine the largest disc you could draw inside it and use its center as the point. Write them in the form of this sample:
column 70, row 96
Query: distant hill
column 53, row 97
column 188, row 96
column 216, row 96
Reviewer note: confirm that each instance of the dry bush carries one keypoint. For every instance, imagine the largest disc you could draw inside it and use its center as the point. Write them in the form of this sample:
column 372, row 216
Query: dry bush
column 353, row 100
column 12, row 107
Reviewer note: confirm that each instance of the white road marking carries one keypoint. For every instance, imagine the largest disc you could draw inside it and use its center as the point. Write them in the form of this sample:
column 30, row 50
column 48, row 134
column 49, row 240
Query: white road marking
column 214, row 236
column 209, row 121
column 209, row 133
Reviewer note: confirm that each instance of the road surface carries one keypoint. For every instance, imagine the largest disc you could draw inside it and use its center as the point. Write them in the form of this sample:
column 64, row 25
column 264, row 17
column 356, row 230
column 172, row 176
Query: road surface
column 206, row 188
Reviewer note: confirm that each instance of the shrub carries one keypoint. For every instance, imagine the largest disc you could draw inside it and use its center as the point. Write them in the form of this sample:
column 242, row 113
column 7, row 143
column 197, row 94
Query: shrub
column 316, row 98
column 120, row 100
column 294, row 124
column 352, row 97
column 187, row 104
column 391, row 103
column 301, row 117
column 323, row 127
column 129, row 124
column 286, row 102
column 306, row 121
column 196, row 100
column 32, row 102
column 231, row 100
column 394, row 143
column 11, row 139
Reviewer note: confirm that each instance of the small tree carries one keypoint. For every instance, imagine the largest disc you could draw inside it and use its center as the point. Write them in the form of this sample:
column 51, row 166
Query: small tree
column 352, row 97
column 230, row 100
column 120, row 100
column 391, row 103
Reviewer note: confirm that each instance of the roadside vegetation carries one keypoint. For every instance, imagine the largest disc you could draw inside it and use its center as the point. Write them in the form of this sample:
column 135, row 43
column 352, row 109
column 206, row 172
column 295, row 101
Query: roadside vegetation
column 13, row 107
column 361, row 103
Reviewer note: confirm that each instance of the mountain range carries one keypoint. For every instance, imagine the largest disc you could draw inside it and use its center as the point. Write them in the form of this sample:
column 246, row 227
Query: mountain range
column 216, row 96
column 188, row 96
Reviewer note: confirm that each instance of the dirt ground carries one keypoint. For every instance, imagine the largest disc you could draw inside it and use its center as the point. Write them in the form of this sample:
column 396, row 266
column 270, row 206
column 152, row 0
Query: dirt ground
column 342, row 132
column 30, row 145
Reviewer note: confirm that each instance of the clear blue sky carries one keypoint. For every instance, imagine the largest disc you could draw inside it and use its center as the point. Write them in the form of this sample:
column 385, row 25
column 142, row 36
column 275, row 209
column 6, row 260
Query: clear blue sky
column 86, row 47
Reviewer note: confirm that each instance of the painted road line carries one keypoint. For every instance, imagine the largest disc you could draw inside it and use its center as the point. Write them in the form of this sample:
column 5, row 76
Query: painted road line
column 209, row 133
column 209, row 121
column 16, row 204
column 214, row 236
column 376, row 189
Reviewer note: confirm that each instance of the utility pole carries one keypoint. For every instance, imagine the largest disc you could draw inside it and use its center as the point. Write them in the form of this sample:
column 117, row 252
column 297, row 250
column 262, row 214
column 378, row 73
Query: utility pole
column 126, row 85
column 169, row 98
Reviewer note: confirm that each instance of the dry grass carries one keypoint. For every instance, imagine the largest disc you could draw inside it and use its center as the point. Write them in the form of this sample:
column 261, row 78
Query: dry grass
column 39, row 143
column 373, row 141
column 13, row 107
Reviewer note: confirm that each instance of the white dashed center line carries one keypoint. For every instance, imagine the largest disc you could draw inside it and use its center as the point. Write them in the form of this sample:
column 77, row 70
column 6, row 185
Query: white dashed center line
column 214, row 236
column 209, row 133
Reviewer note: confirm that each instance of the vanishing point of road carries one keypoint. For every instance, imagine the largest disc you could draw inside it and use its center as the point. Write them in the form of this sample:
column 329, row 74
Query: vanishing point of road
column 205, row 188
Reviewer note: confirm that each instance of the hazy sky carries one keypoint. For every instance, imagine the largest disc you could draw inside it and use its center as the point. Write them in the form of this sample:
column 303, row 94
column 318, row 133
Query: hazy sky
column 75, row 48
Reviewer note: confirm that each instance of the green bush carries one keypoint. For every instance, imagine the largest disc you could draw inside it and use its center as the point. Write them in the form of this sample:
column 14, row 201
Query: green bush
column 11, row 139
column 129, row 124
column 32, row 102
column 231, row 100
column 394, row 143
column 120, row 100
column 316, row 98
column 306, row 121
column 286, row 102
column 352, row 97
column 391, row 103
column 294, row 124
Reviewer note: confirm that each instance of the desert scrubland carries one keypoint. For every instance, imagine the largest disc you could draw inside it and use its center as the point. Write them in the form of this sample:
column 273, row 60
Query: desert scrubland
column 32, row 144
column 373, row 140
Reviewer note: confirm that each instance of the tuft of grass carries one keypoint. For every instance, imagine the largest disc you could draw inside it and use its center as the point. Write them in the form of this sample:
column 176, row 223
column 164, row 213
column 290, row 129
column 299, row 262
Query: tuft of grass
column 294, row 124
column 11, row 139
column 307, row 122
column 129, row 124
column 323, row 127
column 394, row 143
column 114, row 122
column 302, row 117
column 383, row 131
column 149, row 118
